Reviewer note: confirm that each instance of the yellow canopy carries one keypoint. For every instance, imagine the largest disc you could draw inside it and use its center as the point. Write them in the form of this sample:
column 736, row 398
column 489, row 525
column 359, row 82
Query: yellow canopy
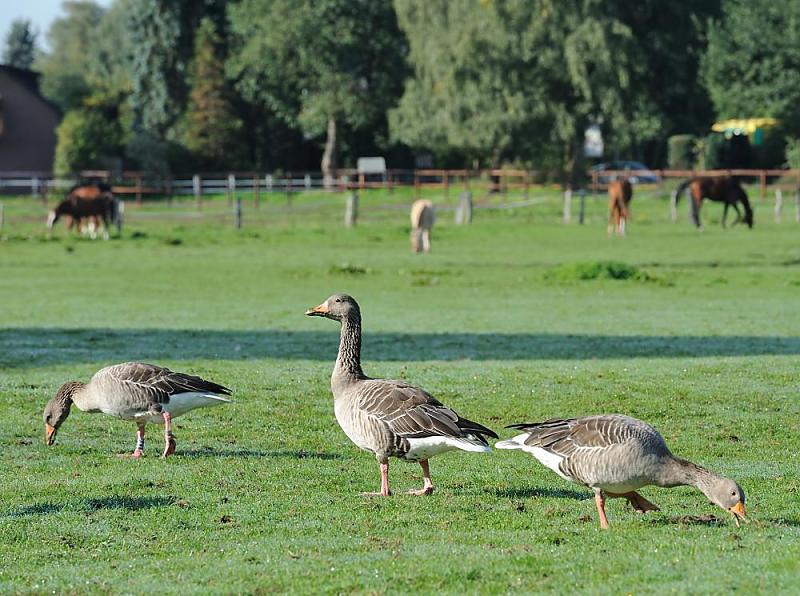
column 746, row 125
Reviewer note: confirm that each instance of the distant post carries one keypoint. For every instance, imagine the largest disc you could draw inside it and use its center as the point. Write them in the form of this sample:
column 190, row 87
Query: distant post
column 2, row 216
column 120, row 215
column 197, row 186
column 256, row 191
column 797, row 205
column 778, row 204
column 351, row 210
column 237, row 213
column 464, row 209
column 582, row 212
column 568, row 205
column 231, row 188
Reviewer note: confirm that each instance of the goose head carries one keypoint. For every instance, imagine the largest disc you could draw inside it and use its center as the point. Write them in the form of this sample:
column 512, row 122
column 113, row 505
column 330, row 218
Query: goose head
column 727, row 494
column 57, row 410
column 338, row 307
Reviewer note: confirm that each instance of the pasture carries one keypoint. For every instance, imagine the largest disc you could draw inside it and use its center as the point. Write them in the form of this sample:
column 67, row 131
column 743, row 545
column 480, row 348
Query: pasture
column 515, row 318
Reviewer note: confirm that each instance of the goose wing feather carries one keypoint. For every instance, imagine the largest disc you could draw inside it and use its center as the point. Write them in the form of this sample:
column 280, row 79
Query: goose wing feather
column 156, row 383
column 568, row 437
column 411, row 412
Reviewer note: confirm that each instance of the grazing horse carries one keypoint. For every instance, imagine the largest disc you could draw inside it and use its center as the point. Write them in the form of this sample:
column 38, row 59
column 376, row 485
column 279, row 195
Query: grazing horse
column 92, row 202
column 620, row 193
column 422, row 218
column 723, row 189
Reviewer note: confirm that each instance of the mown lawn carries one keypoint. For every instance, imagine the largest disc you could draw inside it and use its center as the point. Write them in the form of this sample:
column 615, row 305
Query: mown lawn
column 702, row 340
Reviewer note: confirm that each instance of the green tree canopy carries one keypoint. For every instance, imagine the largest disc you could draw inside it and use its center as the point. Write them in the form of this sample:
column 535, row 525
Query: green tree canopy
column 211, row 125
column 20, row 44
column 752, row 66
column 65, row 67
column 327, row 67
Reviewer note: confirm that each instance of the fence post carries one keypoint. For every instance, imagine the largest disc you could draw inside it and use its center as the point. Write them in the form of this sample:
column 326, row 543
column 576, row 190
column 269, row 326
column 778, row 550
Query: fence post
column 231, row 188
column 34, row 187
column 351, row 210
column 256, row 190
column 582, row 212
column 2, row 216
column 763, row 183
column 120, row 215
column 237, row 213
column 464, row 209
column 797, row 205
column 416, row 184
column 268, row 182
column 778, row 204
column 568, row 205
column 139, row 189
column 288, row 181
column 527, row 184
column 197, row 186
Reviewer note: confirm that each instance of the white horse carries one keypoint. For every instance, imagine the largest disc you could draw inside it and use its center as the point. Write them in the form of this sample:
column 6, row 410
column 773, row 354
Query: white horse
column 422, row 218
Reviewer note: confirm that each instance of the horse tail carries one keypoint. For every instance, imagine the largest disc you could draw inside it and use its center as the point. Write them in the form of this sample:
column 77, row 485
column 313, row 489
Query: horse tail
column 681, row 188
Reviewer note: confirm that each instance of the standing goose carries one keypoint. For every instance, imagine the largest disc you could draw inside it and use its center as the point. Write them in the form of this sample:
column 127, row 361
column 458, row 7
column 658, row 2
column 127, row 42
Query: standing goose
column 391, row 418
column 135, row 391
column 616, row 455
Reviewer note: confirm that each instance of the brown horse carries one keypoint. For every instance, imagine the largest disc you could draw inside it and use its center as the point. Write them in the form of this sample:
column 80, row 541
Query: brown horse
column 722, row 189
column 620, row 193
column 91, row 202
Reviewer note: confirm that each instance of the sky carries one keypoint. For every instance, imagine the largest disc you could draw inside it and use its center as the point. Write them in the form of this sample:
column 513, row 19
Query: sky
column 41, row 12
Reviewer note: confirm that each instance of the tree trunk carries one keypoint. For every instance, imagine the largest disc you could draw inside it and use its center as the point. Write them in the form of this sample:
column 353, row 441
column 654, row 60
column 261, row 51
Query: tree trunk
column 329, row 156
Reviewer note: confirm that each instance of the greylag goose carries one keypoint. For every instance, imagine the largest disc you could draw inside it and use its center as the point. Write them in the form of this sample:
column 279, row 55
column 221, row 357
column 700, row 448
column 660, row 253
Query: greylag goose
column 616, row 455
column 391, row 418
column 135, row 391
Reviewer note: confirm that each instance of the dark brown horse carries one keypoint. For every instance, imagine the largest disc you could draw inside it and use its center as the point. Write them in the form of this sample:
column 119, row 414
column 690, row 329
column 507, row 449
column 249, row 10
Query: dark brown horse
column 91, row 202
column 722, row 189
column 620, row 193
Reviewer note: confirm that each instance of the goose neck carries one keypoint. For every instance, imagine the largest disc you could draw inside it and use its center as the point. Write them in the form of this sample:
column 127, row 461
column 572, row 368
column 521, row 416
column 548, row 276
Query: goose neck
column 681, row 472
column 348, row 362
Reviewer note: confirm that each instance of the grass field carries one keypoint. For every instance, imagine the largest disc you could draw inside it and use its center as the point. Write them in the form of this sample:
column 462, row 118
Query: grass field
column 702, row 339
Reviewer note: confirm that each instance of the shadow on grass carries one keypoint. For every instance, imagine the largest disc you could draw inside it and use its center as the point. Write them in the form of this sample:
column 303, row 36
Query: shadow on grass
column 208, row 452
column 26, row 346
column 551, row 493
column 96, row 504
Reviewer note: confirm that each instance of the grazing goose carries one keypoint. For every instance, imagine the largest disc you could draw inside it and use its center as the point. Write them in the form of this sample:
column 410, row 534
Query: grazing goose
column 390, row 418
column 135, row 391
column 616, row 455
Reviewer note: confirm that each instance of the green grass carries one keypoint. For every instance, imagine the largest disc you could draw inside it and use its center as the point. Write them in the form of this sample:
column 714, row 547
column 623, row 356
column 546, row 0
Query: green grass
column 699, row 335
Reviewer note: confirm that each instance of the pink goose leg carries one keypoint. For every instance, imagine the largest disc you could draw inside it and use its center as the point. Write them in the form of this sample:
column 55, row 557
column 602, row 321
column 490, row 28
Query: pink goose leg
column 427, row 486
column 601, row 508
column 169, row 438
column 385, row 492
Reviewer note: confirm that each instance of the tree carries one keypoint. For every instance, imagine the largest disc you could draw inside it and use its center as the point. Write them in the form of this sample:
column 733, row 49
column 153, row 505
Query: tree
column 20, row 48
column 327, row 67
column 64, row 68
column 87, row 137
column 211, row 126
column 752, row 65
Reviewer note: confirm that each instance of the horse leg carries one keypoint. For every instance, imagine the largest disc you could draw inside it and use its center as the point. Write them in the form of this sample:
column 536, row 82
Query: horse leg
column 696, row 212
column 426, row 240
column 105, row 226
column 738, row 213
column 725, row 214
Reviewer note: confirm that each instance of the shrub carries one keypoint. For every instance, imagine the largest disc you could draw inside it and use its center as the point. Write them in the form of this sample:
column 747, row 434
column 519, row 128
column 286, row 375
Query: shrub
column 680, row 152
column 86, row 138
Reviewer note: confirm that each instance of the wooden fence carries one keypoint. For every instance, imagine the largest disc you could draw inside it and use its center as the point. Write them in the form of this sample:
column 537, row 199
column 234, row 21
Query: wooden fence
column 138, row 185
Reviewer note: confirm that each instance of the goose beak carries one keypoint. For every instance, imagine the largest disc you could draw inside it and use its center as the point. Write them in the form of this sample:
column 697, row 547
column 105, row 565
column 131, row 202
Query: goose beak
column 50, row 434
column 738, row 512
column 318, row 311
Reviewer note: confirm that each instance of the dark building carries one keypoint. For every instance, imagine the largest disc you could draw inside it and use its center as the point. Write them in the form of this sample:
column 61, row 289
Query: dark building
column 27, row 123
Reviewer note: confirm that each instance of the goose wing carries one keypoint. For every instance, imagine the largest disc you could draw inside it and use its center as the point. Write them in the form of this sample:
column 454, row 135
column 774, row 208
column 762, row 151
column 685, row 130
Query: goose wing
column 155, row 384
column 568, row 437
column 411, row 412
